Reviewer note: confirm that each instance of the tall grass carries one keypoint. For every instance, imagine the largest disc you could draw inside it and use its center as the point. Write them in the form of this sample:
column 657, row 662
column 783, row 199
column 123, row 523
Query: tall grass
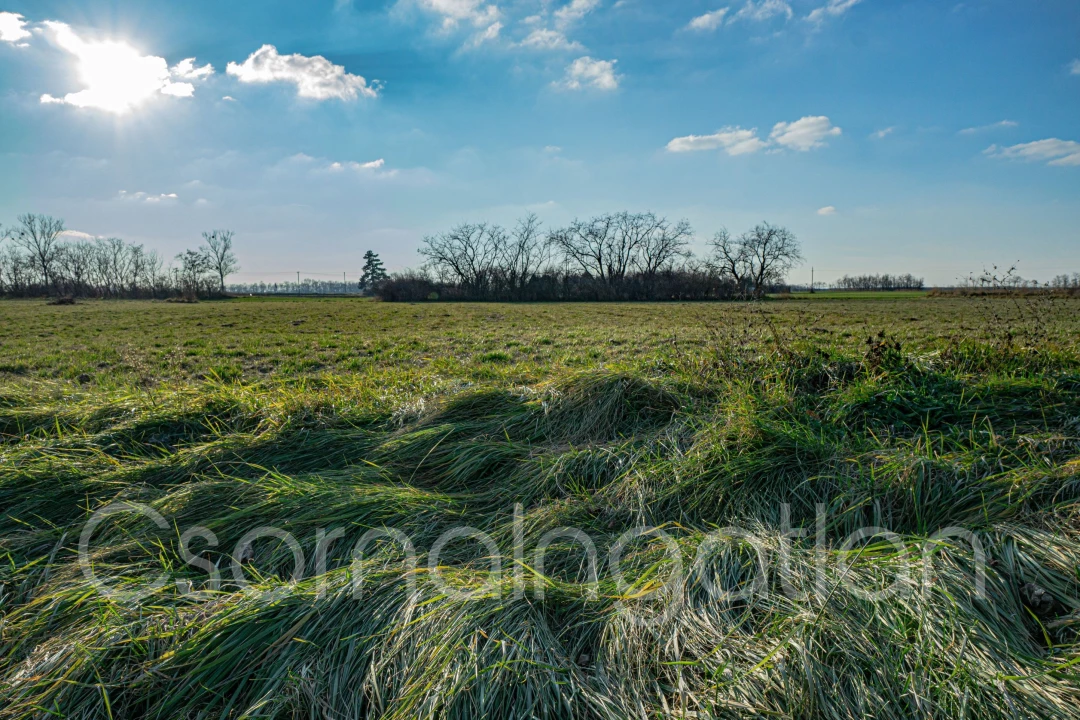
column 789, row 436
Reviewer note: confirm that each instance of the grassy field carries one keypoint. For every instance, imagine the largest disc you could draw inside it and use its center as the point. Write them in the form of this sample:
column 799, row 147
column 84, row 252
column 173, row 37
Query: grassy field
column 860, row 295
column 118, row 344
column 765, row 487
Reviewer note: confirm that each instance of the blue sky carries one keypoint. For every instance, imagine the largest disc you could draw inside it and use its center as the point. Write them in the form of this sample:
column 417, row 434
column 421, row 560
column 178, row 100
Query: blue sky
column 892, row 136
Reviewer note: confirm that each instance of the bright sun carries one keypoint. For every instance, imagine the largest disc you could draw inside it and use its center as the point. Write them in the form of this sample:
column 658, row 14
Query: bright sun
column 117, row 77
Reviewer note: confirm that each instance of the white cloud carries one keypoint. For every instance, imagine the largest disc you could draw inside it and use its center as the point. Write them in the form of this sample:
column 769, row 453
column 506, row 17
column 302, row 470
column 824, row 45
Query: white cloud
column 327, row 170
column 827, row 210
column 78, row 235
column 586, row 72
column 375, row 169
column 709, row 21
column 147, row 198
column 994, row 126
column 545, row 39
column 805, row 134
column 732, row 140
column 355, row 166
column 228, row 98
column 116, row 76
column 548, row 38
column 487, row 34
column 315, row 78
column 1064, row 153
column 542, row 206
column 552, row 149
column 763, row 10
column 13, row 28
column 179, row 90
column 834, row 8
column 575, row 11
column 1074, row 68
column 1067, row 161
column 186, row 70
column 883, row 133
column 473, row 12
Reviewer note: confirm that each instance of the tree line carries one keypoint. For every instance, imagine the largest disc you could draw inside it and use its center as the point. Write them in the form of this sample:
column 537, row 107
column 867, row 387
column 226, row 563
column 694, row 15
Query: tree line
column 880, row 282
column 37, row 258
column 996, row 278
column 615, row 256
column 1066, row 282
column 306, row 286
column 372, row 275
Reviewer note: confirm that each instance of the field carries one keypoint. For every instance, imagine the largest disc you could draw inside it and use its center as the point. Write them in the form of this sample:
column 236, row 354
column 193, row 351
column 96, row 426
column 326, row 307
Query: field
column 860, row 295
column 120, row 344
column 866, row 507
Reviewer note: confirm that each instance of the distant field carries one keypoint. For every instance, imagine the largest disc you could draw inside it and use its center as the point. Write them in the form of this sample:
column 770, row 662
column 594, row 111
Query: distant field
column 125, row 342
column 860, row 295
column 764, row 486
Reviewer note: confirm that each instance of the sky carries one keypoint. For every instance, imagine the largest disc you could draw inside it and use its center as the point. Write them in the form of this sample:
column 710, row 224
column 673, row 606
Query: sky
column 922, row 136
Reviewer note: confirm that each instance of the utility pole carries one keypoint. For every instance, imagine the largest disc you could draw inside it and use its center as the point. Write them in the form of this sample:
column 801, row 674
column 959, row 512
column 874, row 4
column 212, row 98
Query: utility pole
column 297, row 279
column 811, row 279
column 344, row 284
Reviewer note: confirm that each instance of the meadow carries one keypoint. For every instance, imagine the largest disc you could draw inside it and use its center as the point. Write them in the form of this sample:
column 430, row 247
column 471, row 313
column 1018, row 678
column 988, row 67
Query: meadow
column 837, row 507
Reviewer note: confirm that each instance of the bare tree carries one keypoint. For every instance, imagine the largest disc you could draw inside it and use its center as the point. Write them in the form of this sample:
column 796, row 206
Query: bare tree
column 154, row 276
column 106, row 267
column 14, row 271
column 757, row 258
column 729, row 258
column 114, row 259
column 103, row 267
column 75, row 263
column 39, row 237
column 136, row 268
column 609, row 247
column 523, row 255
column 773, row 252
column 624, row 246
column 588, row 243
column 662, row 244
column 194, row 266
column 880, row 282
column 4, row 256
column 468, row 254
column 219, row 252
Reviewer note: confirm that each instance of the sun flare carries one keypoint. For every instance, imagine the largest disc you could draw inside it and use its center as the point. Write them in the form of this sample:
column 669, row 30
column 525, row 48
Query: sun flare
column 116, row 76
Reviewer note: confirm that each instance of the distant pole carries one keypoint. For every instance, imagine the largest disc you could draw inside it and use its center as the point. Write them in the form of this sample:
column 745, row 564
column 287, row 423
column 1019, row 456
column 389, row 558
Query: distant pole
column 298, row 277
column 344, row 284
column 811, row 279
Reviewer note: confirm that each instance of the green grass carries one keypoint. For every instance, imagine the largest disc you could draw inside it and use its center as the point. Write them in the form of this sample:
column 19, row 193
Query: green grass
column 323, row 415
column 118, row 344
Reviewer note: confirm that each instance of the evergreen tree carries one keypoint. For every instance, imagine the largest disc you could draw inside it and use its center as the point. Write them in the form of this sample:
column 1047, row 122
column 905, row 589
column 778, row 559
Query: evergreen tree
column 373, row 272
